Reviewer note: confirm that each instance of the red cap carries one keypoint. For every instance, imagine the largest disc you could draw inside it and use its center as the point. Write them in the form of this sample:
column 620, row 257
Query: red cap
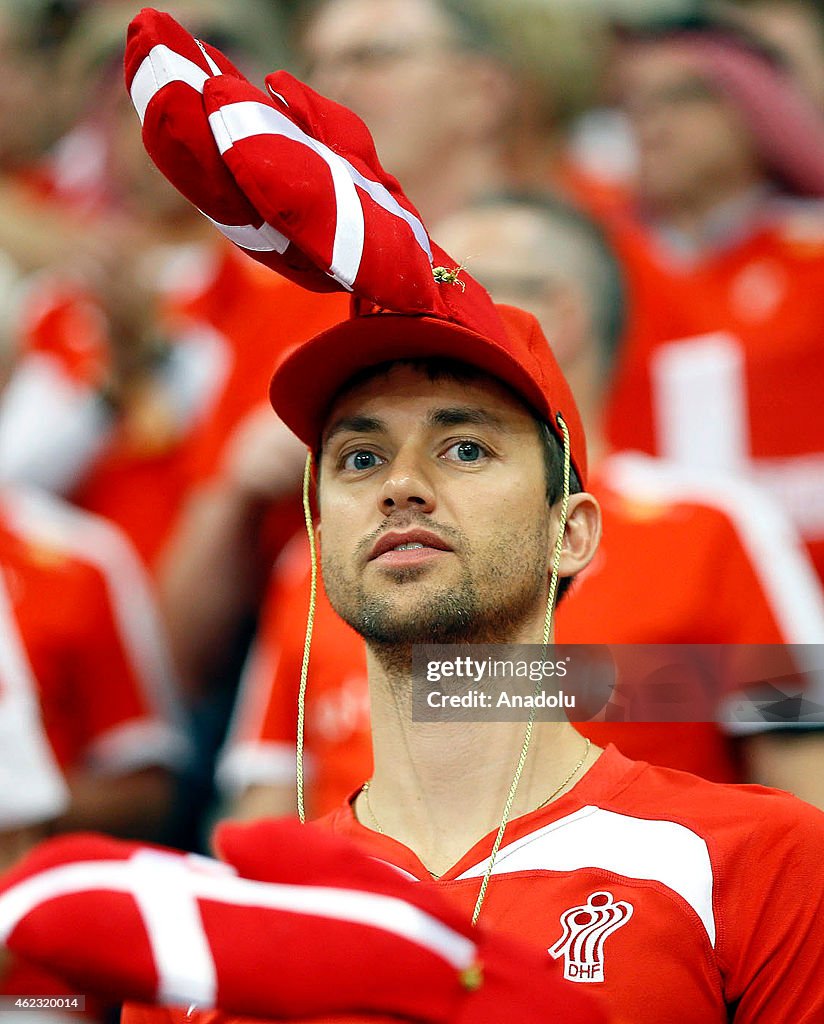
column 309, row 377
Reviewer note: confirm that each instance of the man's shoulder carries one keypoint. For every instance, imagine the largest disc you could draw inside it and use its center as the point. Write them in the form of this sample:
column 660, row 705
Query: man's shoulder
column 726, row 817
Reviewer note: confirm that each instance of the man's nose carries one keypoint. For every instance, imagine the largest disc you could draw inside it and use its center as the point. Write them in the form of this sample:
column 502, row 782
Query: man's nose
column 407, row 485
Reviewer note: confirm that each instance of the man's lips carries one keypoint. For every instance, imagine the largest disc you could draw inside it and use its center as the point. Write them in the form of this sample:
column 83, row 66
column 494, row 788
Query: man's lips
column 394, row 539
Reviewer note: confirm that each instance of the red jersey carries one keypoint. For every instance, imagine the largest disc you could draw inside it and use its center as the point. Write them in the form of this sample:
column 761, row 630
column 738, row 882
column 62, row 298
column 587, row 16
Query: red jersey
column 722, row 365
column 716, row 564
column 84, row 616
column 674, row 900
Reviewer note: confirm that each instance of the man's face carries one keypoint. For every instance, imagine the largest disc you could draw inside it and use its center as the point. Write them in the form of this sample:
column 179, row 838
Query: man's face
column 692, row 142
column 395, row 64
column 455, row 470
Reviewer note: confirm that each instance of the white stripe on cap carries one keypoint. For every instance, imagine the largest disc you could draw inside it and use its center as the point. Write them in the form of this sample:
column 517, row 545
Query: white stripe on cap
column 247, row 236
column 159, row 68
column 237, row 121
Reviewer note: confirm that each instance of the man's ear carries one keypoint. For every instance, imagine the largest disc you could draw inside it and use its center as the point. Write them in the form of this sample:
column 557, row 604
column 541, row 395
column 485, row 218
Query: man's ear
column 582, row 534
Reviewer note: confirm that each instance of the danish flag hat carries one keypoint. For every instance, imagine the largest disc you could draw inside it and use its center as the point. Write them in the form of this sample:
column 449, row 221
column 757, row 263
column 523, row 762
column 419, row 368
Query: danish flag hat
column 294, row 180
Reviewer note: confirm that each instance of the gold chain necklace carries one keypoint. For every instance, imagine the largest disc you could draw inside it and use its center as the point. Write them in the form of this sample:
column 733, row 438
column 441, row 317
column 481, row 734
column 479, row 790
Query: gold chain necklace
column 588, row 743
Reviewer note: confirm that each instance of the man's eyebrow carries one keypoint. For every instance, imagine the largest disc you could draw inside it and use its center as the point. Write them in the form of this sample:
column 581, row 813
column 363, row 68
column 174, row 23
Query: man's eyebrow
column 458, row 416
column 355, row 425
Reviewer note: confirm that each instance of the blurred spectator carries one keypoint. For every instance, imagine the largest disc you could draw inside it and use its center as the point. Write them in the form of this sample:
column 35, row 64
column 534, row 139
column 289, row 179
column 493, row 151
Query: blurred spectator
column 721, row 366
column 708, row 556
column 35, row 231
column 424, row 76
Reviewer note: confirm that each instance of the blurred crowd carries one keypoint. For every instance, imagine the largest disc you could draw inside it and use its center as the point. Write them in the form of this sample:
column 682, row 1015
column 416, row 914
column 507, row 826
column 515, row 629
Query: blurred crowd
column 646, row 177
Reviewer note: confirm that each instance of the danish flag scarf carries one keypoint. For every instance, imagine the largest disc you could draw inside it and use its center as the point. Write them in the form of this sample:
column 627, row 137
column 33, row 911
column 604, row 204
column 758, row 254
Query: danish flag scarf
column 291, row 178
column 296, row 923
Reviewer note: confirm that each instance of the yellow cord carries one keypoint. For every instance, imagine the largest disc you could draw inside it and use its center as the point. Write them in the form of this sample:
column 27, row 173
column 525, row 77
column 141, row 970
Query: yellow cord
column 307, row 644
column 550, row 606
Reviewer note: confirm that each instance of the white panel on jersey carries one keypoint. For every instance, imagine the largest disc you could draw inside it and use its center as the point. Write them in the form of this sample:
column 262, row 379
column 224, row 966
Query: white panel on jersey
column 661, row 851
column 699, row 401
column 787, row 577
column 784, row 570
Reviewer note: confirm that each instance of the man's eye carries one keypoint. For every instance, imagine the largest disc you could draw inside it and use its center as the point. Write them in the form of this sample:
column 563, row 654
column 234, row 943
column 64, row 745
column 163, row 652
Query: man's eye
column 465, row 451
column 361, row 459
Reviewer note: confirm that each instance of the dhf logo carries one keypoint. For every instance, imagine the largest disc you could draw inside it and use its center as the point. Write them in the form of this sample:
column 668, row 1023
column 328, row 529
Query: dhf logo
column 586, row 929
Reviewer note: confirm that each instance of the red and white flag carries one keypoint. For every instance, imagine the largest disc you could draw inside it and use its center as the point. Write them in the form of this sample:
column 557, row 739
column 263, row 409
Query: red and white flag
column 274, row 932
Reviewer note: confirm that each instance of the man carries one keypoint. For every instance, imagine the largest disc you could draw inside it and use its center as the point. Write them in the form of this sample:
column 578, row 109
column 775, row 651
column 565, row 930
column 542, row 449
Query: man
column 450, row 464
column 663, row 523
column 434, row 522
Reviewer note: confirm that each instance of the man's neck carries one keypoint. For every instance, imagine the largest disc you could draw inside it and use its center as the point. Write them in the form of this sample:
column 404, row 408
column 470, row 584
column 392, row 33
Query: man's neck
column 440, row 787
column 712, row 221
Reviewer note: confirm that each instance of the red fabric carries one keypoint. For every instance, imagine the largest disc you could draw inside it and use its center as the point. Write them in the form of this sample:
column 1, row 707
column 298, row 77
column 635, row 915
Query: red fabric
column 92, row 929
column 279, row 176
column 522, row 359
